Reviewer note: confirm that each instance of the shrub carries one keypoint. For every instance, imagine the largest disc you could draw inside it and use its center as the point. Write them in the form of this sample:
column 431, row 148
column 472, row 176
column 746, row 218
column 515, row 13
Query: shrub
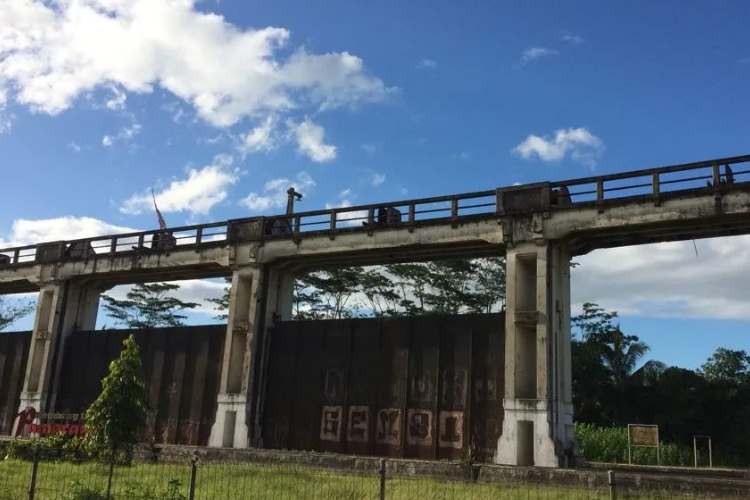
column 79, row 492
column 610, row 444
column 57, row 447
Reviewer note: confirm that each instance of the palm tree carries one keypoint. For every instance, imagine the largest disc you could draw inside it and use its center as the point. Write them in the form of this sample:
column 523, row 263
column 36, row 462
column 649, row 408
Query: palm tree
column 621, row 354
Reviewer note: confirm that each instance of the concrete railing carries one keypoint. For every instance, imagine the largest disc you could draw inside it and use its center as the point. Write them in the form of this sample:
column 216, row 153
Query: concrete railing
column 656, row 184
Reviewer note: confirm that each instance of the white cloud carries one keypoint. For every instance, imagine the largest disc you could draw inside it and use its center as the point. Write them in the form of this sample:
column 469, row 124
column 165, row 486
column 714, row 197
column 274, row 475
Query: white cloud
column 75, row 147
column 370, row 148
column 668, row 280
column 274, row 193
column 534, row 53
column 125, row 134
column 427, row 64
column 53, row 52
column 30, row 232
column 117, row 102
column 571, row 38
column 581, row 144
column 203, row 188
column 377, row 179
column 261, row 138
column 309, row 138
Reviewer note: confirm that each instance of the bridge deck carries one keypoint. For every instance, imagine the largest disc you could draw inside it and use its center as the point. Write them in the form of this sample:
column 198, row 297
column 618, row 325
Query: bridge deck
column 596, row 211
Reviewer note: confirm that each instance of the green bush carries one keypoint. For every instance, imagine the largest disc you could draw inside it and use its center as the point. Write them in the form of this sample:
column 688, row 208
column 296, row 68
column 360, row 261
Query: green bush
column 79, row 492
column 610, row 444
column 57, row 447
column 171, row 492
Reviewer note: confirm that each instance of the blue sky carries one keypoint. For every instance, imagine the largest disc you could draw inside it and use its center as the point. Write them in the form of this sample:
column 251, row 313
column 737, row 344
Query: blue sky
column 209, row 103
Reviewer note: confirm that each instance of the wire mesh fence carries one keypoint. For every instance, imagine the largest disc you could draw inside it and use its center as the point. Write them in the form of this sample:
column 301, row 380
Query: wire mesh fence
column 192, row 478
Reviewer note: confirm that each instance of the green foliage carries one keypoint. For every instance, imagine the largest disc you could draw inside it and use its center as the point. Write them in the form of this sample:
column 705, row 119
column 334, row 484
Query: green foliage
column 727, row 365
column 77, row 491
column 146, row 492
column 441, row 287
column 116, row 419
column 148, row 305
column 610, row 444
column 13, row 310
column 58, row 447
column 222, row 303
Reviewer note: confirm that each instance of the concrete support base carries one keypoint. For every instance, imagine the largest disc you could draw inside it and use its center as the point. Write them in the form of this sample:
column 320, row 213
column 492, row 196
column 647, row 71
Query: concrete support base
column 230, row 427
column 526, row 438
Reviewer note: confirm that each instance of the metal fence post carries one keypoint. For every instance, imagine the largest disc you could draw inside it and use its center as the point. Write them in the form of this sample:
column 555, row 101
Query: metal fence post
column 32, row 481
column 612, row 488
column 193, row 475
column 382, row 479
column 109, row 476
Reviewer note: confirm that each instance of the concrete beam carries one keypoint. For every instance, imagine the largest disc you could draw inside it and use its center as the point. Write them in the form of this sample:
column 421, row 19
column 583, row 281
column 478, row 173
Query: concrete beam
column 641, row 222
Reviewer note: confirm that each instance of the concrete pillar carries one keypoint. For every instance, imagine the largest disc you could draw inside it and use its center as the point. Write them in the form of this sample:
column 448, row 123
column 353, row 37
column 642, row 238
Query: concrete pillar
column 230, row 427
column 62, row 307
column 279, row 305
column 538, row 409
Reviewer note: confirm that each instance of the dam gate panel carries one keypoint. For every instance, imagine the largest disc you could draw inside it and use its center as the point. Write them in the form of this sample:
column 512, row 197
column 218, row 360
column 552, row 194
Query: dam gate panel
column 427, row 387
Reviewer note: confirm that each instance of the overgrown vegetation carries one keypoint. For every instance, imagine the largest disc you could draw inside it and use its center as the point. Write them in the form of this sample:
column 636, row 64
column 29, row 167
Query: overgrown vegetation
column 614, row 387
column 610, row 444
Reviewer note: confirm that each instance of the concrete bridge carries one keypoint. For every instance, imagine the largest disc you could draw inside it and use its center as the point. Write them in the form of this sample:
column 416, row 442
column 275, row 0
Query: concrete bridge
column 538, row 226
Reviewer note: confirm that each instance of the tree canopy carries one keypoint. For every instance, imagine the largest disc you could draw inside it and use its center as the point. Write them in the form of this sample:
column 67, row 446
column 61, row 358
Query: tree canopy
column 148, row 305
column 13, row 310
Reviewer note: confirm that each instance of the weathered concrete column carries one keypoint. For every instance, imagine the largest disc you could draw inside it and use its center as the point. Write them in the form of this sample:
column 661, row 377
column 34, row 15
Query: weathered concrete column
column 538, row 410
column 230, row 427
column 279, row 304
column 62, row 307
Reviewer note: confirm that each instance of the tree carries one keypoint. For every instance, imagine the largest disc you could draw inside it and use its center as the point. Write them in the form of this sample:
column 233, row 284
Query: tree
column 490, row 285
column 334, row 290
column 148, row 305
column 728, row 365
column 222, row 302
column 12, row 311
column 115, row 420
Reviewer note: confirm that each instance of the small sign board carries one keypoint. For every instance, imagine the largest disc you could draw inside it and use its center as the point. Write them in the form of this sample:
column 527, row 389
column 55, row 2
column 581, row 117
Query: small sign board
column 643, row 436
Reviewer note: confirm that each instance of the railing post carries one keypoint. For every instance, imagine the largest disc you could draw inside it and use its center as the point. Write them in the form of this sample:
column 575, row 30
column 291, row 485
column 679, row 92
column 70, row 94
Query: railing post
column 333, row 224
column 656, row 192
column 193, row 475
column 612, row 487
column 382, row 479
column 716, row 176
column 600, row 194
column 34, row 468
column 412, row 216
column 454, row 212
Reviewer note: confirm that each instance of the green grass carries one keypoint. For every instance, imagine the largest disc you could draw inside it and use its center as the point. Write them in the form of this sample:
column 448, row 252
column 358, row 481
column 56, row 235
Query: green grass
column 227, row 481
